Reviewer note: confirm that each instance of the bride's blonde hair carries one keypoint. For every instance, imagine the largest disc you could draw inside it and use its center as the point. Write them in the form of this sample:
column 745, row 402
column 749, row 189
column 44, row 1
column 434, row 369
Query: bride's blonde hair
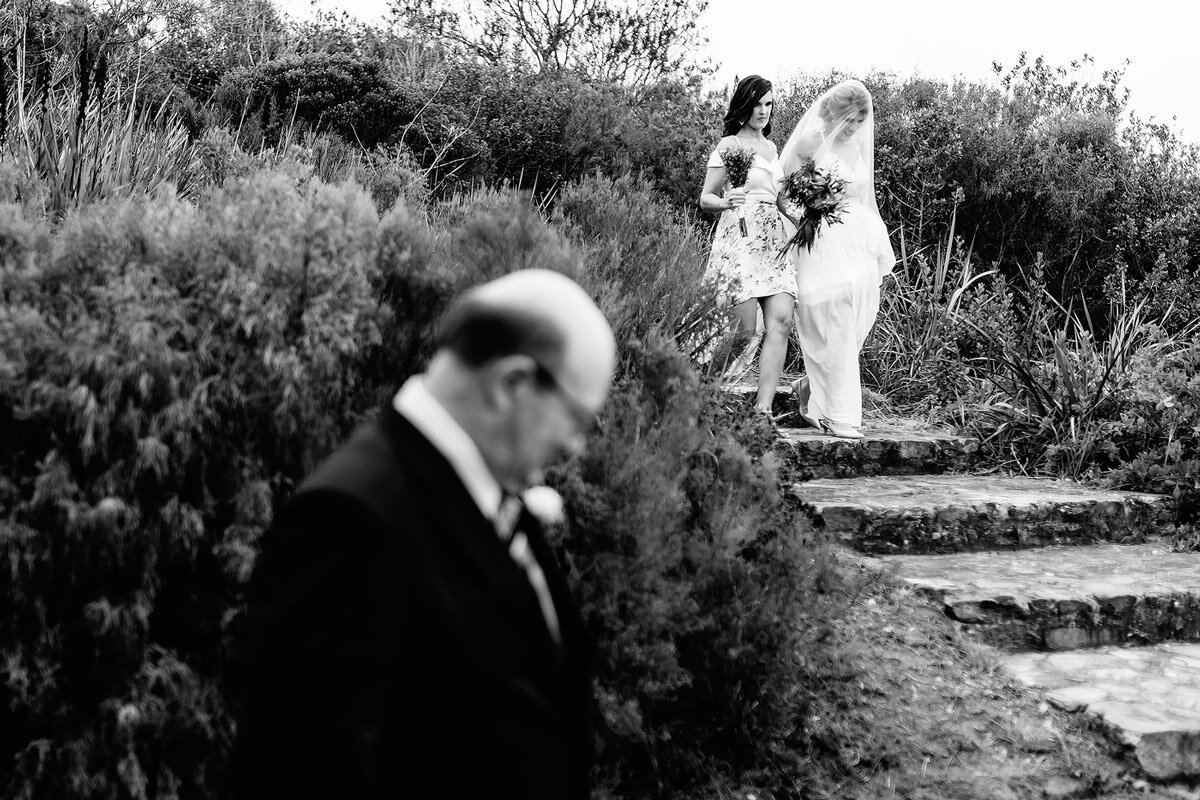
column 844, row 100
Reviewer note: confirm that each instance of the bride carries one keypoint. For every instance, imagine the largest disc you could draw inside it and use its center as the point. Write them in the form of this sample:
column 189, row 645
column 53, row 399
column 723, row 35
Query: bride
column 838, row 279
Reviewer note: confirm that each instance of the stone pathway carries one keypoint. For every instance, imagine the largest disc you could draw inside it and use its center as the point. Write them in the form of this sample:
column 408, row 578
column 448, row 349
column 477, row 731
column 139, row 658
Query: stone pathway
column 1149, row 696
column 1061, row 598
column 951, row 513
column 1030, row 565
column 891, row 449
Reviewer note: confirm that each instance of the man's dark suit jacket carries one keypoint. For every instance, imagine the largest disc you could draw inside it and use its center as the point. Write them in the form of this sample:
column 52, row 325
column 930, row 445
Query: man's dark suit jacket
column 395, row 649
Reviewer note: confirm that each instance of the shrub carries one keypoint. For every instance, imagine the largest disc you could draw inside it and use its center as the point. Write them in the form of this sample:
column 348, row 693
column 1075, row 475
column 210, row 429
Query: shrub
column 701, row 584
column 355, row 99
column 166, row 371
column 1157, row 435
column 331, row 91
column 699, row 587
column 80, row 147
column 169, row 370
column 391, row 177
column 1050, row 395
column 645, row 257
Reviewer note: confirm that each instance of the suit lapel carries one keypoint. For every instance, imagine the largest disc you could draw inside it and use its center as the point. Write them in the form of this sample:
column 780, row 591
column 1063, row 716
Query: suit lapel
column 448, row 508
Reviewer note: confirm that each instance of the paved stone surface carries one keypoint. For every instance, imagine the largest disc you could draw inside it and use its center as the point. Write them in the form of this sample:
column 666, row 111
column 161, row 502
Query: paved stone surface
column 1149, row 697
column 1062, row 598
column 956, row 513
column 893, row 447
column 1027, row 563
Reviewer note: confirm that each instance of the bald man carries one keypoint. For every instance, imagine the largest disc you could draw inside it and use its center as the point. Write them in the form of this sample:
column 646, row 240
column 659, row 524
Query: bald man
column 410, row 634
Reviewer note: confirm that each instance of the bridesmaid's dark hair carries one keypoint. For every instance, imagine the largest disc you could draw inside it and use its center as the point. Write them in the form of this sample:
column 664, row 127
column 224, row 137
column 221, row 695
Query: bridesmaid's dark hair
column 749, row 91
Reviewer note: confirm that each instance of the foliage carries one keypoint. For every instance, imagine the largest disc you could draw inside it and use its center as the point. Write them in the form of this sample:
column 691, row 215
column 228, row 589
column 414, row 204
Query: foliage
column 354, row 99
column 920, row 342
column 700, row 589
column 609, row 41
column 1046, row 162
column 84, row 135
column 1049, row 396
column 206, row 40
column 647, row 261
column 170, row 368
column 692, row 568
column 1158, row 236
column 167, row 370
column 1158, row 434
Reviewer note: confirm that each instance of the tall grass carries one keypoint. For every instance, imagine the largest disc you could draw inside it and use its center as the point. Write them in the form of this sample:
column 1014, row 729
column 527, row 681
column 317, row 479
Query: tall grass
column 1003, row 359
column 1052, row 401
column 84, row 137
column 913, row 353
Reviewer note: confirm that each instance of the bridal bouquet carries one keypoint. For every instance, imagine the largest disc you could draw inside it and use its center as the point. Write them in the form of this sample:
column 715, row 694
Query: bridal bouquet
column 738, row 161
column 816, row 191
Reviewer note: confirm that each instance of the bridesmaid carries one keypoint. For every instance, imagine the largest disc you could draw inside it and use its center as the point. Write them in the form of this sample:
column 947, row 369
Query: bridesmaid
column 748, row 269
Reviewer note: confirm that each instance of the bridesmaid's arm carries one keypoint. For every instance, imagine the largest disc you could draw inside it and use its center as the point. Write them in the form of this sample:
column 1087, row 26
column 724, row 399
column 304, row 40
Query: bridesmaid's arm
column 714, row 198
column 711, row 199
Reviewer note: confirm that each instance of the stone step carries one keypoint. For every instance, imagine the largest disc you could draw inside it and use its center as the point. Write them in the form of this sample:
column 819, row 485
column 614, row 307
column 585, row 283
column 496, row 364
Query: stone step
column 781, row 406
column 896, row 447
column 892, row 446
column 955, row 513
column 1062, row 598
column 1148, row 698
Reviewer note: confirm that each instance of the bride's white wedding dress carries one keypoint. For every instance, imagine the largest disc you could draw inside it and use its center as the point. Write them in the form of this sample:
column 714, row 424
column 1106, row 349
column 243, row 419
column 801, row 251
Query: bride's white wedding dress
column 838, row 297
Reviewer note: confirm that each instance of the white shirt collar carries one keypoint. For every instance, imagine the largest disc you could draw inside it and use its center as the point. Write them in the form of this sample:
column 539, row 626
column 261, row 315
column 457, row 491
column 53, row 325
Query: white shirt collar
column 431, row 418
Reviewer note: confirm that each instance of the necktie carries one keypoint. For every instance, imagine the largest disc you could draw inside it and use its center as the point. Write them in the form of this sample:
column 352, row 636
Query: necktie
column 506, row 521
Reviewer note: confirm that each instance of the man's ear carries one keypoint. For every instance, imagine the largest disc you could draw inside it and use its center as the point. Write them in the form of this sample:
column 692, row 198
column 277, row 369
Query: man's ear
column 505, row 377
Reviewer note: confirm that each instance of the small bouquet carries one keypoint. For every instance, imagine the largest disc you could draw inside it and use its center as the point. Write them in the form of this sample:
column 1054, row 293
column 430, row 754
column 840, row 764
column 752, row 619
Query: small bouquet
column 817, row 192
column 738, row 161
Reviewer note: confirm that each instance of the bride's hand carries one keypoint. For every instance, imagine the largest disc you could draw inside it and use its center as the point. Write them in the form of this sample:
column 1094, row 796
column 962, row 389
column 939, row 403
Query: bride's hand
column 795, row 212
column 735, row 198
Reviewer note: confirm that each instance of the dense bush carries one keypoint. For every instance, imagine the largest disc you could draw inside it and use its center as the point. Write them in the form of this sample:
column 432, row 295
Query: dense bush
column 700, row 586
column 169, row 369
column 1158, row 431
column 356, row 100
column 648, row 259
column 1047, row 162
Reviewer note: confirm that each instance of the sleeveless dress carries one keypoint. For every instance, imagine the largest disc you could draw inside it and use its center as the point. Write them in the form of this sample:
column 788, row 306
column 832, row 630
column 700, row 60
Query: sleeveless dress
column 751, row 266
column 838, row 297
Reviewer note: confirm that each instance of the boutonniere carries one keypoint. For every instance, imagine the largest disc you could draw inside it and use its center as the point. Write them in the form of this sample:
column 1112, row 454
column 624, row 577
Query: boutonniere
column 545, row 504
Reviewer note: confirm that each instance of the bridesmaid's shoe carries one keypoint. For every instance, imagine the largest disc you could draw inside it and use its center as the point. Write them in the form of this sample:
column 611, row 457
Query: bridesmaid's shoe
column 801, row 392
column 840, row 430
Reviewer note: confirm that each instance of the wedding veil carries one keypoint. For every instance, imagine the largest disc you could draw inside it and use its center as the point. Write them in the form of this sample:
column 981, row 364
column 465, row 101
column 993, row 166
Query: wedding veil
column 824, row 121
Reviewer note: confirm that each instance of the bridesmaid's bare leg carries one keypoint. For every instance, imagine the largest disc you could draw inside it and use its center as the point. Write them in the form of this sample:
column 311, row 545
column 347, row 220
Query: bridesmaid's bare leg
column 745, row 340
column 777, row 316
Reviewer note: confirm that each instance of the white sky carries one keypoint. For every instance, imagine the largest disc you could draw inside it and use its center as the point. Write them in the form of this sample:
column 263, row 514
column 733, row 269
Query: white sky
column 945, row 38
